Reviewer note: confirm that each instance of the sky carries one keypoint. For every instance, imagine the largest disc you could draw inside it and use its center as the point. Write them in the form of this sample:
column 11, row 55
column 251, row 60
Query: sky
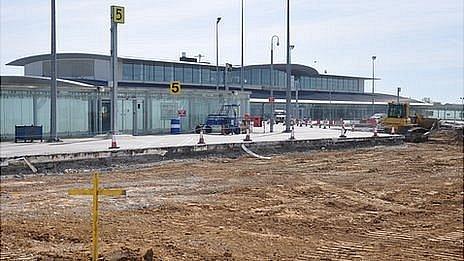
column 418, row 43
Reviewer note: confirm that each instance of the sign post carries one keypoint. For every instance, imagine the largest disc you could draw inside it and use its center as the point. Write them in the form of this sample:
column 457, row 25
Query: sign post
column 96, row 191
column 117, row 17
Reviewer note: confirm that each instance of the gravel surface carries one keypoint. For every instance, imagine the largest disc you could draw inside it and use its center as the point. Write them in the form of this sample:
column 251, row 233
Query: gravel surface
column 386, row 203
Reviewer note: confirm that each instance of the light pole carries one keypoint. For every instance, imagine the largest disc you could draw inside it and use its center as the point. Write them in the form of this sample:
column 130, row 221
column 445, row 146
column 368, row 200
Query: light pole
column 271, row 82
column 296, row 110
column 289, row 72
column 217, row 53
column 462, row 108
column 241, row 65
column 398, row 90
column 226, row 69
column 373, row 79
column 53, row 92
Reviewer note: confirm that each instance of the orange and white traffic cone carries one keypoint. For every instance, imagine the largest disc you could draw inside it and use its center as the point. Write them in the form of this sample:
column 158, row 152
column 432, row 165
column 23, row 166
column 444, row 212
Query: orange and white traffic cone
column 247, row 136
column 201, row 141
column 114, row 144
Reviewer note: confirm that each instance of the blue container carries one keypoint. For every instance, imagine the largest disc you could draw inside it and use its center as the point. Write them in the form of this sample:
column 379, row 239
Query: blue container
column 175, row 126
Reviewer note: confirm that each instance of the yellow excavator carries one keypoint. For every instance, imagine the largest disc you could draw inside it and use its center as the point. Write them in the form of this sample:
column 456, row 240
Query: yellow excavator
column 415, row 128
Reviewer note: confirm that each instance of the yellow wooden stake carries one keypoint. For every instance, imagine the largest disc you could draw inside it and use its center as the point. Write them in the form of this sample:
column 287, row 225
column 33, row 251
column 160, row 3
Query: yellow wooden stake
column 96, row 191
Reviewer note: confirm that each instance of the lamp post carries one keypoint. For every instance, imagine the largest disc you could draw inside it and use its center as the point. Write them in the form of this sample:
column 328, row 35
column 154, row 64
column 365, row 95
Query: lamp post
column 296, row 113
column 289, row 71
column 398, row 90
column 217, row 53
column 241, row 65
column 373, row 79
column 462, row 107
column 271, row 82
column 53, row 136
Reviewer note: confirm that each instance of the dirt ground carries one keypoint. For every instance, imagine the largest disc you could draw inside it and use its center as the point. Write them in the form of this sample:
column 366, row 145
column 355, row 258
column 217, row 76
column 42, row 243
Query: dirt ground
column 385, row 203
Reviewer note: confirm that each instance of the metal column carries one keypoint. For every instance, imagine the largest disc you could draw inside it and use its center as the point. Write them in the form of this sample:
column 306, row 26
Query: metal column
column 53, row 92
column 241, row 65
column 289, row 72
column 271, row 82
column 114, row 73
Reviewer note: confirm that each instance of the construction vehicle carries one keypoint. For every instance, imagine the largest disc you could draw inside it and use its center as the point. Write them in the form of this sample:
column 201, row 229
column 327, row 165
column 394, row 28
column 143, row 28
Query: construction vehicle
column 226, row 121
column 415, row 128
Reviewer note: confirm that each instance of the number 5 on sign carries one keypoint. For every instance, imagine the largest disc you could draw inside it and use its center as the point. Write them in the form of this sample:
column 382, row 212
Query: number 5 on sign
column 174, row 87
column 117, row 14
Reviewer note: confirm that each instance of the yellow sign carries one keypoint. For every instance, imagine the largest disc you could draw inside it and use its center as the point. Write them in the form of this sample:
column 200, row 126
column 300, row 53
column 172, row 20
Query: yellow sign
column 117, row 14
column 174, row 87
column 96, row 191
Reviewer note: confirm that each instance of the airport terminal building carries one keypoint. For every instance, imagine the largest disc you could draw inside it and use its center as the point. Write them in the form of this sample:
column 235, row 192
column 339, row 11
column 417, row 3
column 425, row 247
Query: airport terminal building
column 145, row 105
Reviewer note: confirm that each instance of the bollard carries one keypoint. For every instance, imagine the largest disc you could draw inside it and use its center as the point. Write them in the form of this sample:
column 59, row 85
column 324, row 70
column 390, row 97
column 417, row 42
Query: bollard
column 201, row 141
column 114, row 145
column 393, row 130
column 247, row 136
column 325, row 127
column 310, row 123
column 352, row 127
column 319, row 123
column 292, row 133
column 375, row 131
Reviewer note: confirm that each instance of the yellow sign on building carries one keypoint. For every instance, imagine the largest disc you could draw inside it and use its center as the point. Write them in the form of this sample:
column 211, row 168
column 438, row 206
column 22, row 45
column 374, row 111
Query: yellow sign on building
column 174, row 87
column 117, row 14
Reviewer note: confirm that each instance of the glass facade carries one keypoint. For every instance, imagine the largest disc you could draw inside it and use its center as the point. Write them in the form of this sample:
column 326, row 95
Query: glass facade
column 261, row 76
column 87, row 113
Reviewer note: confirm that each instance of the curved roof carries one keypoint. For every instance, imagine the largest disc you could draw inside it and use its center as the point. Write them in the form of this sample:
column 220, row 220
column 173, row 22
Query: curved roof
column 43, row 57
column 297, row 69
column 38, row 82
column 334, row 96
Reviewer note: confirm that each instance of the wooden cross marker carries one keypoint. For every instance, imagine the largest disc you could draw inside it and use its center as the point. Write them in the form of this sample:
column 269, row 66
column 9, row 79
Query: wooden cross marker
column 96, row 191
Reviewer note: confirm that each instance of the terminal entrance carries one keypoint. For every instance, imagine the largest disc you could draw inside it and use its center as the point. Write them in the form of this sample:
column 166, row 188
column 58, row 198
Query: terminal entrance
column 106, row 116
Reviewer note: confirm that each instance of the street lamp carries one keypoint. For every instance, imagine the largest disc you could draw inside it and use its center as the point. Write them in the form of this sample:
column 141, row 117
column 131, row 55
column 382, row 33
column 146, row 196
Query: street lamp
column 53, row 74
column 373, row 78
column 241, row 63
column 271, row 82
column 217, row 53
column 288, row 91
column 398, row 90
column 296, row 112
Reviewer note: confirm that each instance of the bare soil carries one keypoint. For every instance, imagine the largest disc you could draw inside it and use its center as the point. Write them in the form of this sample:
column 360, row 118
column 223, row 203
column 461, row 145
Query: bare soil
column 384, row 203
